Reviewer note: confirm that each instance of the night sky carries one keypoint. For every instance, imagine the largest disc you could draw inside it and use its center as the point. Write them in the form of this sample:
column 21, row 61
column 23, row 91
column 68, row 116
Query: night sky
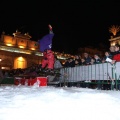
column 76, row 23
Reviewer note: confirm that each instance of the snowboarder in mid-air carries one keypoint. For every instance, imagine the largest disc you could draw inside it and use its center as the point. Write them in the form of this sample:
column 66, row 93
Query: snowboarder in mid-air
column 45, row 47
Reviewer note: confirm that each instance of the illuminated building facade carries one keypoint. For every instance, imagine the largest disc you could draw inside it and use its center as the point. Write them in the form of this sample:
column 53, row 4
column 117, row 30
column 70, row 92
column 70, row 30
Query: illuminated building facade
column 114, row 40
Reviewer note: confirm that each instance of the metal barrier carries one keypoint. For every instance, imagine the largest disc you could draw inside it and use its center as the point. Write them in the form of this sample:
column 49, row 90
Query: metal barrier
column 97, row 72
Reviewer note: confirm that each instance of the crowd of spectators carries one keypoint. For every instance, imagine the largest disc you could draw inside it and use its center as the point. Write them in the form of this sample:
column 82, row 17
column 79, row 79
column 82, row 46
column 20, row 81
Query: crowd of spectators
column 87, row 59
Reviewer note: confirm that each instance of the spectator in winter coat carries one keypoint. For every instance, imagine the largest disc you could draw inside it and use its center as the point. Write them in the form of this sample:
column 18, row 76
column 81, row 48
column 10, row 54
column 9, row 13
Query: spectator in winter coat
column 116, row 57
column 112, row 50
column 87, row 58
column 97, row 59
column 77, row 60
column 57, row 63
column 66, row 64
column 71, row 62
column 107, row 55
column 83, row 61
column 92, row 61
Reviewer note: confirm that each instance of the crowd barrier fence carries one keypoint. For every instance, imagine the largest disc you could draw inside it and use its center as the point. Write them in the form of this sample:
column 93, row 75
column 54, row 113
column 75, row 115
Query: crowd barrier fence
column 97, row 72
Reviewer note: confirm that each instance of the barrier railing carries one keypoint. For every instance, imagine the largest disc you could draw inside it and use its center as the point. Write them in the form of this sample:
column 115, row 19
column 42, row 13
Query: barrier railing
column 97, row 72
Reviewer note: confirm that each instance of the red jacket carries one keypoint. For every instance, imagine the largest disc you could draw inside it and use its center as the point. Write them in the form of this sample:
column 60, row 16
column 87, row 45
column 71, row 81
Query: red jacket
column 117, row 56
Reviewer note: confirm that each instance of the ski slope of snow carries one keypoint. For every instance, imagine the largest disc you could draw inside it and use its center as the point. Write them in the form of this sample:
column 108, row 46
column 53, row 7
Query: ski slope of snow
column 58, row 103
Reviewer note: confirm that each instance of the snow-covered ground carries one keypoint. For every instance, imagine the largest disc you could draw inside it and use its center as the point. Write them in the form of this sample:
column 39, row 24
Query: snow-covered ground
column 58, row 103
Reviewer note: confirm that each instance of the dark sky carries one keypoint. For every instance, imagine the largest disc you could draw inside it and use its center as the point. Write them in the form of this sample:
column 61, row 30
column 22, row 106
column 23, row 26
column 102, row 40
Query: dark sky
column 76, row 23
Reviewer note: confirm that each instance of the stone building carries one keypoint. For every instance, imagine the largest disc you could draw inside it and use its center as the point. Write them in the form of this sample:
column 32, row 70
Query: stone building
column 114, row 40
